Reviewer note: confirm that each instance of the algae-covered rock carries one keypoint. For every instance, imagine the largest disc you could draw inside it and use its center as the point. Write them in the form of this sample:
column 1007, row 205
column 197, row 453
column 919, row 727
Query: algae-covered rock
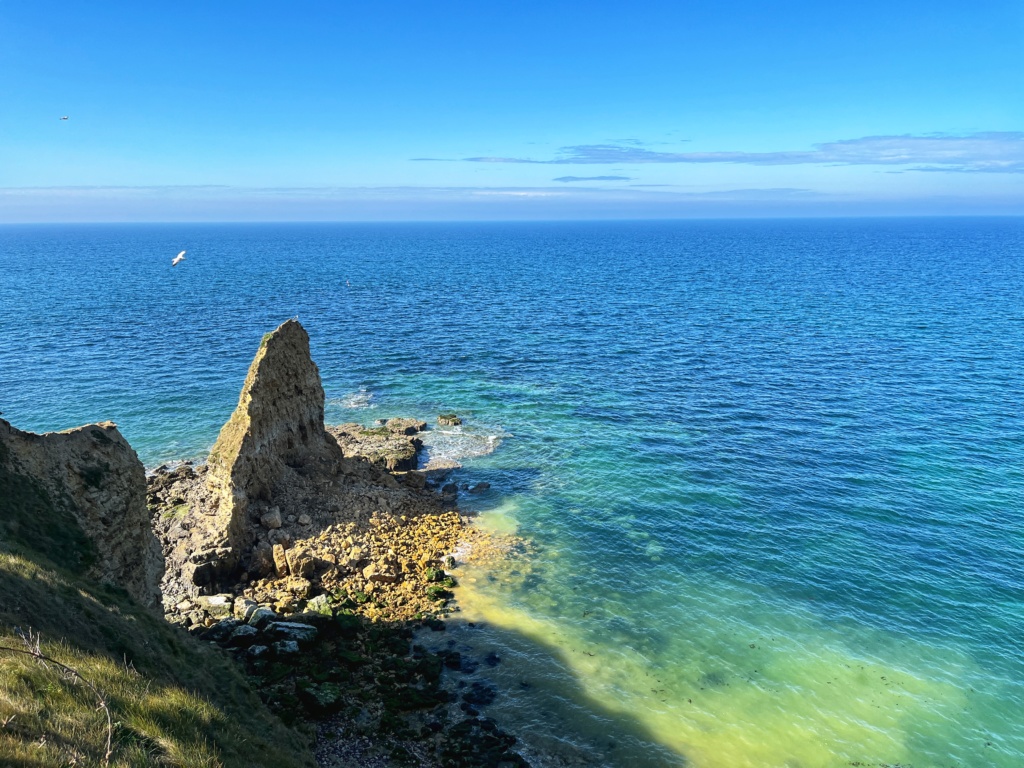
column 405, row 426
column 395, row 450
column 320, row 604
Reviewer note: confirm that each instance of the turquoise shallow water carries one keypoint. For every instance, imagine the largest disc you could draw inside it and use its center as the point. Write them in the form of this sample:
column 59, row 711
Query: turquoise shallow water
column 777, row 468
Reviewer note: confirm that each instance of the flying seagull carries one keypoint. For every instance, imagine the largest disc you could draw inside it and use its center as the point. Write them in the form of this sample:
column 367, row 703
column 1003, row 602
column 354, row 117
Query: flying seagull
column 176, row 259
column 65, row 117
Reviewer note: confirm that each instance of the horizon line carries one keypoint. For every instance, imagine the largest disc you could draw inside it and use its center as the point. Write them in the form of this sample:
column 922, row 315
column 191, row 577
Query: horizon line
column 753, row 217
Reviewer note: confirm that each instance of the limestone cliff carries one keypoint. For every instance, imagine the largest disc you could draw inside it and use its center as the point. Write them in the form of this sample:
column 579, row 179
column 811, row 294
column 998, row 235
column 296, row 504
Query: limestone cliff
column 278, row 424
column 89, row 478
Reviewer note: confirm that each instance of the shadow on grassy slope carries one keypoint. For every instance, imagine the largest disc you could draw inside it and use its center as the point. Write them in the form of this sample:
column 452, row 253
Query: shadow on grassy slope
column 173, row 700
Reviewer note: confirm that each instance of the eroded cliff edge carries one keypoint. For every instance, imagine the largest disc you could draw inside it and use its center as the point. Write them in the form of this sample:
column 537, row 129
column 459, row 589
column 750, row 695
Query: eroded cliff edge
column 89, row 477
column 79, row 575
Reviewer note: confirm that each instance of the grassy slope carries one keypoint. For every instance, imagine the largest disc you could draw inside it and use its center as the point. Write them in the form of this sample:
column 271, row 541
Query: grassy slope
column 174, row 700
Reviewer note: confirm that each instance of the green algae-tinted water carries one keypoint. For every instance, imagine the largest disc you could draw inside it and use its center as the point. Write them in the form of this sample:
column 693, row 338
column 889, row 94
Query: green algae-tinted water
column 773, row 471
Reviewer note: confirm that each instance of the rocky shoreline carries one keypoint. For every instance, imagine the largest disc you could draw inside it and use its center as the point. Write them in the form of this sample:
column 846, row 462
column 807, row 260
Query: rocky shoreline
column 311, row 555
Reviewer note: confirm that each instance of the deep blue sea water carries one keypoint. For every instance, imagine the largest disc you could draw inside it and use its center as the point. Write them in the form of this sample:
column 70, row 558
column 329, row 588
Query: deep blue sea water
column 773, row 470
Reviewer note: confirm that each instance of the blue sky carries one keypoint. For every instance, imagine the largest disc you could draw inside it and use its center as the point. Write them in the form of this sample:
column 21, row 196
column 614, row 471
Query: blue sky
column 330, row 110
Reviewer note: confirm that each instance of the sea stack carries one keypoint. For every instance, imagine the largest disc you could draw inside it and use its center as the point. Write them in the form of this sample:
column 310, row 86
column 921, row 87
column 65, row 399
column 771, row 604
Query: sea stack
column 277, row 429
column 89, row 478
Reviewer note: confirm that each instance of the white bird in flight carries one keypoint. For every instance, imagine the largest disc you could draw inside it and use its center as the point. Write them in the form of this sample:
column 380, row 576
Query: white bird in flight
column 65, row 117
column 176, row 259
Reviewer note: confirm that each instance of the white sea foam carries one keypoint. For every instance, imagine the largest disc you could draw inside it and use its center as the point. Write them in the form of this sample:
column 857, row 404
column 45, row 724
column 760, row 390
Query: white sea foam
column 457, row 444
column 361, row 399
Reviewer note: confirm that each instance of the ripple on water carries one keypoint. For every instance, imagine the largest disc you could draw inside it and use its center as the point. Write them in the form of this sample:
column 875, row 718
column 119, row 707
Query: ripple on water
column 804, row 436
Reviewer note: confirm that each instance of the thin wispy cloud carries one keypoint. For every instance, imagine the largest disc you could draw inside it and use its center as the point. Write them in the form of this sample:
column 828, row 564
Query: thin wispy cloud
column 989, row 152
column 566, row 179
column 211, row 192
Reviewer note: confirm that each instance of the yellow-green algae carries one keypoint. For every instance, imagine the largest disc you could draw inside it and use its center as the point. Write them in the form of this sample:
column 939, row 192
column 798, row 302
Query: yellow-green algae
column 754, row 687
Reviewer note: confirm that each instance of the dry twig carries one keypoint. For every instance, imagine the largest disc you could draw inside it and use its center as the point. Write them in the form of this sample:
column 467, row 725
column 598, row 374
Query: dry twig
column 32, row 648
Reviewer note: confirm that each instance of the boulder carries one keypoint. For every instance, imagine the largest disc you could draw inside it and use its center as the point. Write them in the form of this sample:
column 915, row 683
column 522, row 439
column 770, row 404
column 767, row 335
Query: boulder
column 280, row 536
column 297, row 586
column 261, row 617
column 300, row 562
column 242, row 637
column 290, row 630
column 244, row 608
column 262, row 561
column 221, row 631
column 257, row 652
column 448, row 420
column 320, row 604
column 321, row 698
column 280, row 561
column 285, row 648
column 380, row 574
column 405, row 426
column 217, row 606
column 355, row 556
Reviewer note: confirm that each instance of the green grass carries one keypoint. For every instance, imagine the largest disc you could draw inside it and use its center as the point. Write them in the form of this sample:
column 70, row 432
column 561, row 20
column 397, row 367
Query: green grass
column 31, row 522
column 173, row 700
column 178, row 510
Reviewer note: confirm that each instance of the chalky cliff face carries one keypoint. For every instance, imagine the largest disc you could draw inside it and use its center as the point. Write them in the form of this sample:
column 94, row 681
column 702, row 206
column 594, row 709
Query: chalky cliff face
column 92, row 478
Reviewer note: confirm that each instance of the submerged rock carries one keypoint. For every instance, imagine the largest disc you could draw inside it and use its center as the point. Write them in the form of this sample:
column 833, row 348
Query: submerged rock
column 439, row 470
column 480, row 694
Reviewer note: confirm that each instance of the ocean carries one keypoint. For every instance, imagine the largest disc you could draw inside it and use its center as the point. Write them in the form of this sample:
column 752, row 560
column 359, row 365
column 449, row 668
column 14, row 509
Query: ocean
column 771, row 472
